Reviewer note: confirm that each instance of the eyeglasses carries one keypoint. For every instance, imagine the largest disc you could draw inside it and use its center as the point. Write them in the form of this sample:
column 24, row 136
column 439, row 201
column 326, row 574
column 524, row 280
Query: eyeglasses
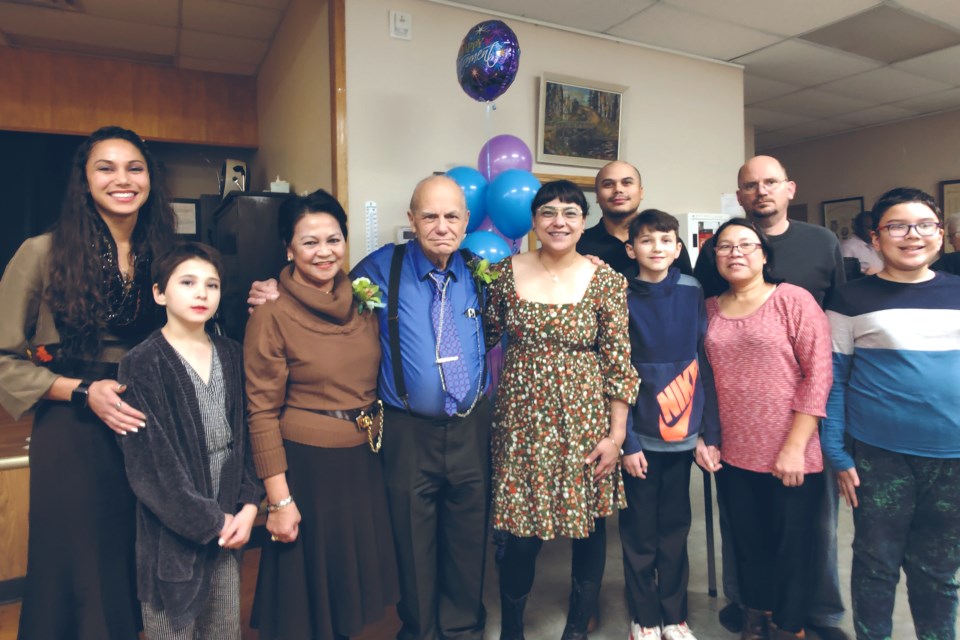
column 569, row 213
column 900, row 230
column 771, row 184
column 745, row 248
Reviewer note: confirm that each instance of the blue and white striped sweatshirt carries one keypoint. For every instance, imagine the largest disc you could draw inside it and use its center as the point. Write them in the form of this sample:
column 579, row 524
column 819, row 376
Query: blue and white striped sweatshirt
column 896, row 368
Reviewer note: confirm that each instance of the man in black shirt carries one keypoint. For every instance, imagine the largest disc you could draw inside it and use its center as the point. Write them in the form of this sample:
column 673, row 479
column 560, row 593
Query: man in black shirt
column 807, row 256
column 619, row 194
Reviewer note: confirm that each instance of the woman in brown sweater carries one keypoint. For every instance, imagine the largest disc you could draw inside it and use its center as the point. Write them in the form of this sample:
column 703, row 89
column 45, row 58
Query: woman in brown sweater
column 311, row 362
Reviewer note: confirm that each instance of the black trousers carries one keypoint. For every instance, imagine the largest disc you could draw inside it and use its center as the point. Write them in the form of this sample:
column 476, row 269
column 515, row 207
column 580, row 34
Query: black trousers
column 653, row 533
column 438, row 480
column 773, row 535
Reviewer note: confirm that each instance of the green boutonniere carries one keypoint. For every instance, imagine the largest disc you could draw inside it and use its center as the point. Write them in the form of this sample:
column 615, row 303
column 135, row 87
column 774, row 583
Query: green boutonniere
column 482, row 271
column 367, row 295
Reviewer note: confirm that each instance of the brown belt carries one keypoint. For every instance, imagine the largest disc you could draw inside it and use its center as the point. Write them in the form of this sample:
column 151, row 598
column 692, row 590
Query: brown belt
column 362, row 419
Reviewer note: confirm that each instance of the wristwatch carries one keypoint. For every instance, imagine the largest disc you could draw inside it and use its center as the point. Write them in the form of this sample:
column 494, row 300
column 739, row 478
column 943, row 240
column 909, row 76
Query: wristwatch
column 80, row 394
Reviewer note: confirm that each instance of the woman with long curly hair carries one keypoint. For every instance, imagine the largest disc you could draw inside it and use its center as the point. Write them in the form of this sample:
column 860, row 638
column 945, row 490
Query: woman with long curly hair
column 73, row 301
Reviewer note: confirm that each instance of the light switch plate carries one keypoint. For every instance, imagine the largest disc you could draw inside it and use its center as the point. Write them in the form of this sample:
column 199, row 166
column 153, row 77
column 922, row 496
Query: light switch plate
column 401, row 25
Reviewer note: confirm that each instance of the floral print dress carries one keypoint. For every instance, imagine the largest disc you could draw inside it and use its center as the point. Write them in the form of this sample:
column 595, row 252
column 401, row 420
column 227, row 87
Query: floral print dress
column 564, row 364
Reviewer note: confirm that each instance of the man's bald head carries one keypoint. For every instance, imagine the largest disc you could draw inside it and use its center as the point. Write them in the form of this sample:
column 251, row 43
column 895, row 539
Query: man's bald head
column 435, row 182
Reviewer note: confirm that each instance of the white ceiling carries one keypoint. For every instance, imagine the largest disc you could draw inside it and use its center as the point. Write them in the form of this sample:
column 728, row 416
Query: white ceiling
column 796, row 85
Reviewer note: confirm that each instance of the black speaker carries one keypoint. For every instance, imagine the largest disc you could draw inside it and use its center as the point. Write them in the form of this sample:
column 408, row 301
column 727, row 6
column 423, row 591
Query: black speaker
column 245, row 232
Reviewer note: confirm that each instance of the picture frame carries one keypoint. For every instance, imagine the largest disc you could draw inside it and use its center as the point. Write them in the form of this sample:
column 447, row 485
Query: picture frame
column 838, row 215
column 187, row 212
column 949, row 197
column 580, row 121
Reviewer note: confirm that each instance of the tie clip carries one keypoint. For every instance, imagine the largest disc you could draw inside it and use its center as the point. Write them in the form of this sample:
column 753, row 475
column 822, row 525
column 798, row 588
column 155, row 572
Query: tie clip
column 447, row 359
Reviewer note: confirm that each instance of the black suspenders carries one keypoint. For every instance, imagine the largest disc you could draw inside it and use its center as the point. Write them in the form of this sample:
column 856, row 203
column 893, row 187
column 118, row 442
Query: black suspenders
column 393, row 320
column 393, row 323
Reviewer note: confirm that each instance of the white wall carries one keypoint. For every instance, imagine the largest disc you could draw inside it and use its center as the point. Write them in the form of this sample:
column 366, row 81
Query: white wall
column 915, row 153
column 408, row 117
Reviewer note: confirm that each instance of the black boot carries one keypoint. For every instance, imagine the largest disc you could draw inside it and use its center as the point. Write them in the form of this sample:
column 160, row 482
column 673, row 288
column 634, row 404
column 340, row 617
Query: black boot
column 511, row 617
column 584, row 598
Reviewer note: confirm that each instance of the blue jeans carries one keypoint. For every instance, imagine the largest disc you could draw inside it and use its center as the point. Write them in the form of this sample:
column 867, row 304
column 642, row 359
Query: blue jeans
column 826, row 608
column 909, row 516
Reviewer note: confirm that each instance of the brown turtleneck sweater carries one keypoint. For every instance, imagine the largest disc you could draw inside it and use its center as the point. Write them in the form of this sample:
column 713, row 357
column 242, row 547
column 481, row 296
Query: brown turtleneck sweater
column 308, row 350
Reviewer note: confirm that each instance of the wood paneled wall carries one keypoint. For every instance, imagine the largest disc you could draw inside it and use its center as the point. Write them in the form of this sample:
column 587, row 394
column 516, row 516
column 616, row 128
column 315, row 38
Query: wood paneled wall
column 14, row 505
column 59, row 93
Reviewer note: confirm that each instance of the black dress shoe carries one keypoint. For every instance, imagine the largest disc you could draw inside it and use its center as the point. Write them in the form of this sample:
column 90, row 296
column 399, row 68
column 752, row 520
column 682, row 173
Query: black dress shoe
column 828, row 633
column 731, row 618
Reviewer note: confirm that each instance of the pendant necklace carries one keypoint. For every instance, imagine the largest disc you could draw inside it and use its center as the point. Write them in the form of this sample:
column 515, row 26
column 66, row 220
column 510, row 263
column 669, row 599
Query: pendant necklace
column 553, row 276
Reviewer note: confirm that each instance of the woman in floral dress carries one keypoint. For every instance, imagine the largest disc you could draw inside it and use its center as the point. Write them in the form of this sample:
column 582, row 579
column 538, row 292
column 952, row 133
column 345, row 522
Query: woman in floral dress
column 562, row 405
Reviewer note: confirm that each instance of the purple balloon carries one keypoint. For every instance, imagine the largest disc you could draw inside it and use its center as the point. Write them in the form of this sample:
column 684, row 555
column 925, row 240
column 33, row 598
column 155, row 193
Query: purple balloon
column 487, row 61
column 501, row 153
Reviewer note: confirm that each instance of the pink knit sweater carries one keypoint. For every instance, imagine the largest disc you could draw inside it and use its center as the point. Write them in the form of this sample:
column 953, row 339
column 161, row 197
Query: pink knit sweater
column 768, row 365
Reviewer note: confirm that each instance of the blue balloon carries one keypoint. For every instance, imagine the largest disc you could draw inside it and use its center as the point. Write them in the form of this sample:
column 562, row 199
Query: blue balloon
column 509, row 196
column 487, row 244
column 474, row 187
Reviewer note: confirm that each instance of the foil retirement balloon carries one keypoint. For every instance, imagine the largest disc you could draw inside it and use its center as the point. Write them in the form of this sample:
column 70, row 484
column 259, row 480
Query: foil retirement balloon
column 487, row 61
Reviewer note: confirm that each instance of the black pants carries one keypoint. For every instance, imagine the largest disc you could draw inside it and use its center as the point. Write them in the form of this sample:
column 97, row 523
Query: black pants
column 519, row 562
column 438, row 479
column 909, row 517
column 653, row 533
column 773, row 535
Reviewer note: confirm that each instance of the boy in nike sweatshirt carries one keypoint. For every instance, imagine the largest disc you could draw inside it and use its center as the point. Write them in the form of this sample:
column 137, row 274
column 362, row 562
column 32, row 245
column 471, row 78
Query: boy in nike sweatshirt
column 675, row 417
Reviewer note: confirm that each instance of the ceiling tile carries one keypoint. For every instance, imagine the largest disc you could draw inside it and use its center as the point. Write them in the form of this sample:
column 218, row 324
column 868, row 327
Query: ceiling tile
column 876, row 115
column 945, row 11
column 52, row 25
column 803, row 63
column 217, row 66
column 571, row 13
column 158, row 12
column 784, row 17
column 229, row 18
column 883, row 85
column 815, row 104
column 194, row 44
column 942, row 101
column 941, row 65
column 768, row 120
column 756, row 88
column 680, row 30
column 885, row 33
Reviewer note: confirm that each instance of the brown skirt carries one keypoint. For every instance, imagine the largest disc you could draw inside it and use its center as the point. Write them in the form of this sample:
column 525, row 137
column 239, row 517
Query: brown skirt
column 81, row 581
column 341, row 572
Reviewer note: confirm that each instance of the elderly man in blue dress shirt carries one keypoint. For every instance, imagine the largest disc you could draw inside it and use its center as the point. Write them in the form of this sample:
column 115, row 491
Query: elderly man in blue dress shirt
column 437, row 423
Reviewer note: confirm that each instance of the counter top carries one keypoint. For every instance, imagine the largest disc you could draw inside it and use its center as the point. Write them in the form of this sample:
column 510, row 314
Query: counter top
column 14, row 441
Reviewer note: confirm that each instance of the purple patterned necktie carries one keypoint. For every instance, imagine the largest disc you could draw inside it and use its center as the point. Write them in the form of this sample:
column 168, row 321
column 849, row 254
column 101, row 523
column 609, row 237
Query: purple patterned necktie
column 448, row 341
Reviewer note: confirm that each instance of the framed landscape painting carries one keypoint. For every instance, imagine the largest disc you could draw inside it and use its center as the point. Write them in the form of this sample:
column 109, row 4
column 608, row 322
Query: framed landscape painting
column 580, row 122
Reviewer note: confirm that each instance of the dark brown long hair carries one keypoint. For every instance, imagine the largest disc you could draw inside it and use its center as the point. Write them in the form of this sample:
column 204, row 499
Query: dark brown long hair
column 76, row 294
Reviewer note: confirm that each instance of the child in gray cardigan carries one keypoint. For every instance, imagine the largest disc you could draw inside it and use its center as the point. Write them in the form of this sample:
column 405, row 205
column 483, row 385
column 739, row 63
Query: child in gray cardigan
column 190, row 464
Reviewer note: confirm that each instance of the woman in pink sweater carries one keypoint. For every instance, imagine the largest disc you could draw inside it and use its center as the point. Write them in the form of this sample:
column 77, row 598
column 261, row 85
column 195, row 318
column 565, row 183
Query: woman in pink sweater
column 769, row 344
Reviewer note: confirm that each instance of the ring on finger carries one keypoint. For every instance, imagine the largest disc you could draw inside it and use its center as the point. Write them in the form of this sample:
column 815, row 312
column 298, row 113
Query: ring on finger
column 119, row 404
column 274, row 538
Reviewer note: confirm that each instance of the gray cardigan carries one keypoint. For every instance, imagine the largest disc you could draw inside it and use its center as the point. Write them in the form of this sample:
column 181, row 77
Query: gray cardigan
column 178, row 519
